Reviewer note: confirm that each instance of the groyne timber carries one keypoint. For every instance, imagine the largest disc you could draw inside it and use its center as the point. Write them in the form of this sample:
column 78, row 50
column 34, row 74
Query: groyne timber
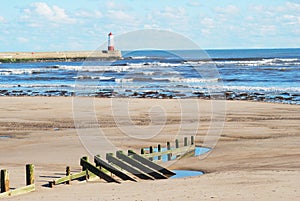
column 8, row 57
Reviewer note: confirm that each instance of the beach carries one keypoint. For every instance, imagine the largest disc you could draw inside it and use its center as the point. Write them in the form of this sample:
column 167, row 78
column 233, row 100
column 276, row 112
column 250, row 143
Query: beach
column 256, row 157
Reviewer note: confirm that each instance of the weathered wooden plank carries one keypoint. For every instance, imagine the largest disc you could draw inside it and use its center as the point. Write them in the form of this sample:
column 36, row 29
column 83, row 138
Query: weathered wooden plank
column 69, row 177
column 112, row 169
column 150, row 163
column 140, row 166
column 96, row 171
column 110, row 158
column 188, row 153
column 18, row 191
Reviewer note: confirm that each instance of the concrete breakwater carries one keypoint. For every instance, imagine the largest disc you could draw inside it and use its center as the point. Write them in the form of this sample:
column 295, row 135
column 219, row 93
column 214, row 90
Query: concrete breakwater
column 59, row 56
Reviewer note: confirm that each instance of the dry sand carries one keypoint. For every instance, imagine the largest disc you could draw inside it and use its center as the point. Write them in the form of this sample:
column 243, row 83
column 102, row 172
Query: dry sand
column 257, row 156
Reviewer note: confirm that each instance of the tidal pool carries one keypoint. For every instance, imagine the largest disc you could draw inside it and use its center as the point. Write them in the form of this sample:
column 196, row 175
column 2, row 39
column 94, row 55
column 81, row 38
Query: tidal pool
column 185, row 173
column 4, row 137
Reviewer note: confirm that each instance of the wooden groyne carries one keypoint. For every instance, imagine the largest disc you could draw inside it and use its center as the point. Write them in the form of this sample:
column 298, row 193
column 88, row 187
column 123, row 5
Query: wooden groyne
column 121, row 167
column 5, row 183
column 59, row 56
column 118, row 167
column 130, row 166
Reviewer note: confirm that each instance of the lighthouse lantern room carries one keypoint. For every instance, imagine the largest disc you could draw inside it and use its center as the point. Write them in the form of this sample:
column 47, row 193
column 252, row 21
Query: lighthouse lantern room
column 111, row 46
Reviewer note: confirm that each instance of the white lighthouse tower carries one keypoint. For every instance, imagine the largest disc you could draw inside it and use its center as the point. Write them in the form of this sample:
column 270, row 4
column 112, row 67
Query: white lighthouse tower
column 111, row 46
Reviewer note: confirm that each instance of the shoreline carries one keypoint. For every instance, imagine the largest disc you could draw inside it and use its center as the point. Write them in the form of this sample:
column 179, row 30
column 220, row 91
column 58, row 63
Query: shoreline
column 282, row 98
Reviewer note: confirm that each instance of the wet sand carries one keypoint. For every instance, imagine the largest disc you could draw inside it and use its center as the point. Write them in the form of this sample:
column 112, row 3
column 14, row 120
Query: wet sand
column 256, row 158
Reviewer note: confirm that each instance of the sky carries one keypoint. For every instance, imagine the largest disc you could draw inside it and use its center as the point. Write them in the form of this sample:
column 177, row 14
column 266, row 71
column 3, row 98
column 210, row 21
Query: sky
column 52, row 25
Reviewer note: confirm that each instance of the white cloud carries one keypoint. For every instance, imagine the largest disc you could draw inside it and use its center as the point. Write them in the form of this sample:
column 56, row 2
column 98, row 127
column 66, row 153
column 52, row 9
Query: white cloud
column 151, row 26
column 208, row 25
column 228, row 10
column 293, row 6
column 283, row 18
column 111, row 4
column 267, row 29
column 2, row 19
column 22, row 39
column 292, row 19
column 208, row 22
column 173, row 13
column 120, row 15
column 89, row 14
column 193, row 3
column 41, row 10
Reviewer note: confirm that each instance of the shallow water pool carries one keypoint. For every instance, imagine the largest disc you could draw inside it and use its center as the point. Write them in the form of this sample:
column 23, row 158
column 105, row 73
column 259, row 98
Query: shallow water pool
column 4, row 137
column 185, row 173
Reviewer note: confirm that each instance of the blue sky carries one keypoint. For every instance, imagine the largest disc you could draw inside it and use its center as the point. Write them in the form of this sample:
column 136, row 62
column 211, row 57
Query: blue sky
column 49, row 25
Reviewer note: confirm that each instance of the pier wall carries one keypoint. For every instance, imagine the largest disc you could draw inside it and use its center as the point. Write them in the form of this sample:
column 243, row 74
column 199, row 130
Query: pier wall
column 65, row 55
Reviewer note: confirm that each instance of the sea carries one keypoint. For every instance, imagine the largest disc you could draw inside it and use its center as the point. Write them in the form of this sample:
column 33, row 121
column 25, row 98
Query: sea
column 269, row 75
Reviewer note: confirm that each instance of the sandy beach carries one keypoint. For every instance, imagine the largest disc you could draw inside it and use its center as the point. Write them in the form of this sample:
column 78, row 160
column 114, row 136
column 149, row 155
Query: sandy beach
column 257, row 156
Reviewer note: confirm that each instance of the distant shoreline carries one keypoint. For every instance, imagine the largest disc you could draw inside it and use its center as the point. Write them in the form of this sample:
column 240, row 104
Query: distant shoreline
column 17, row 57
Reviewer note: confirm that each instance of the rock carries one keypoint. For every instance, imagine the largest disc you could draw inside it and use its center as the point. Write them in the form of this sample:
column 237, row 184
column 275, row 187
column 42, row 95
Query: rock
column 243, row 94
column 259, row 94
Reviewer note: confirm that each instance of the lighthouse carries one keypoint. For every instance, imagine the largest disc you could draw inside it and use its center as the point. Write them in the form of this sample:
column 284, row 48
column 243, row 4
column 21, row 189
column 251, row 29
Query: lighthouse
column 111, row 46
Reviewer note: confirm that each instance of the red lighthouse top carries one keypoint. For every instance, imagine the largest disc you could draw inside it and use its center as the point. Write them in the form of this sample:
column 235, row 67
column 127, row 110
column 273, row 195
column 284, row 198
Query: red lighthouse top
column 110, row 42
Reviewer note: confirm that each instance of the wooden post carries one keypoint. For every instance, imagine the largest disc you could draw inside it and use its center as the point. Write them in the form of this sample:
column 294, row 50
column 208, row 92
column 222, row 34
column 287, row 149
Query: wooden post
column 177, row 146
column 192, row 140
column 84, row 168
column 176, row 143
column 185, row 141
column 51, row 184
column 142, row 151
column 84, row 158
column 29, row 174
column 159, row 150
column 4, row 181
column 68, row 172
column 169, row 148
column 151, row 151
